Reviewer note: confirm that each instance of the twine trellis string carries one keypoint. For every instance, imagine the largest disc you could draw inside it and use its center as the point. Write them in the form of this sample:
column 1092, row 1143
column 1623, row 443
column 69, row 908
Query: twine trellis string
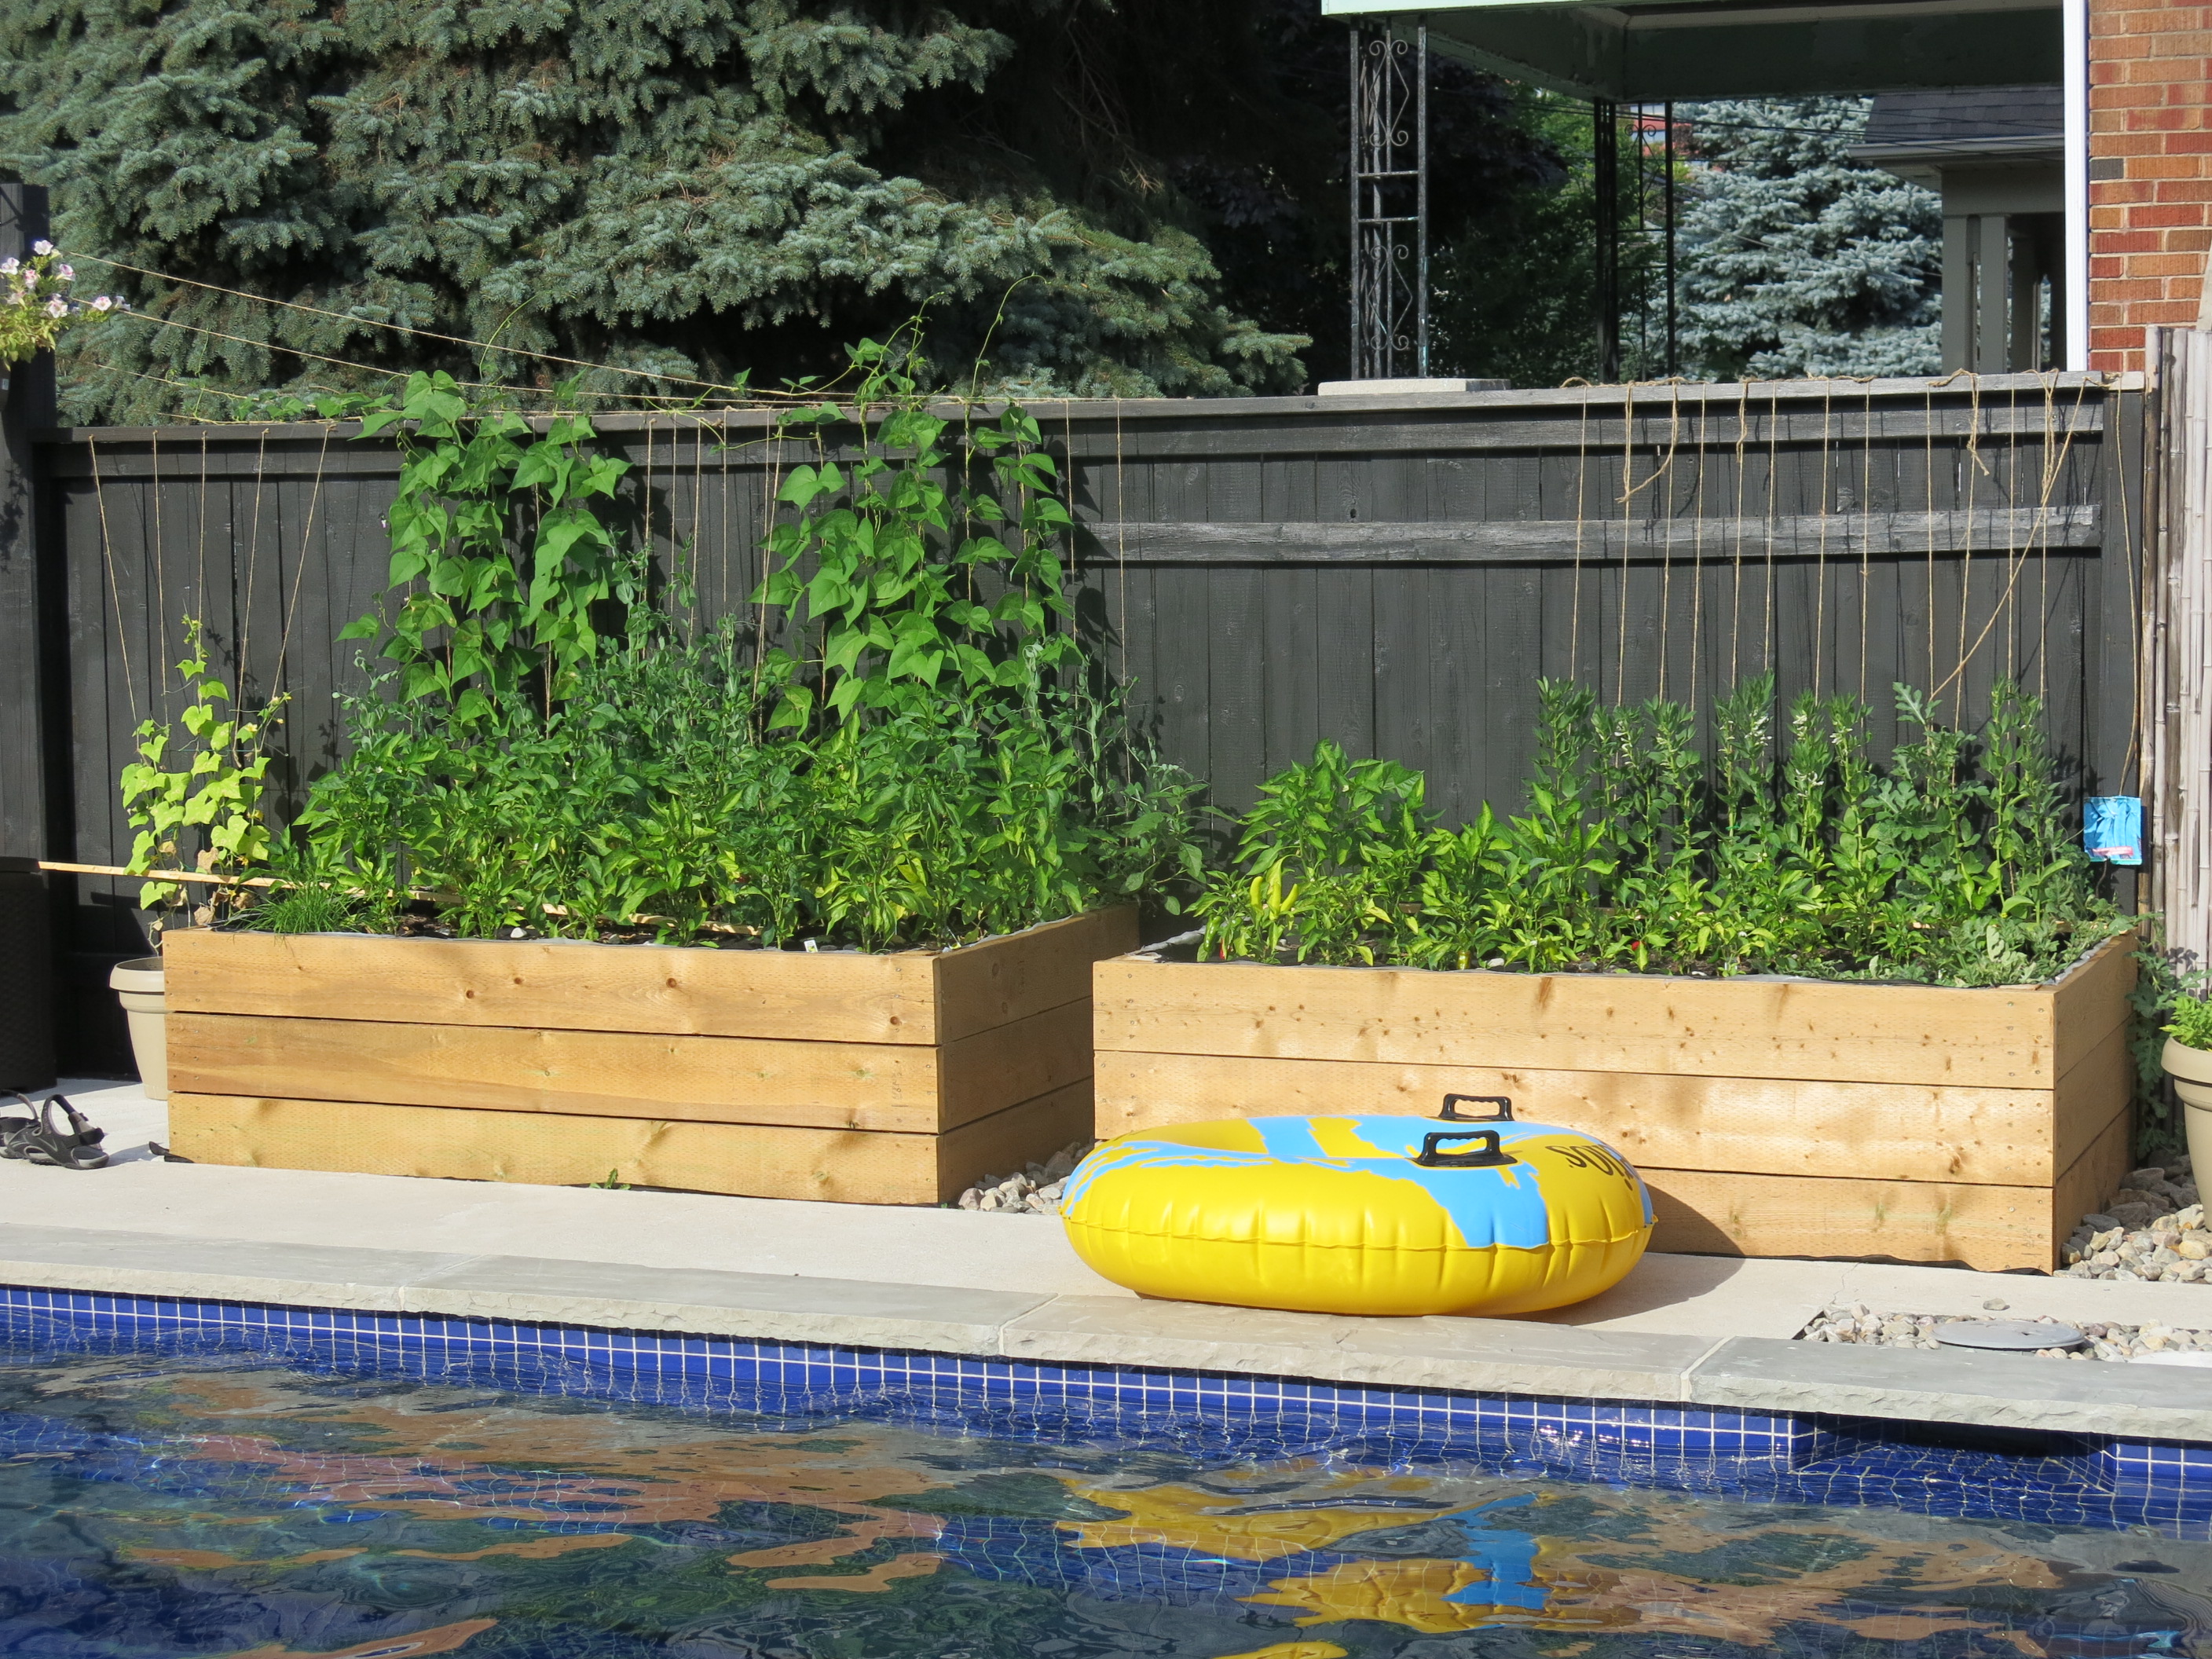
column 1820, row 544
column 114, row 587
column 1773, row 509
column 1575, row 590
column 1742, row 481
column 1866, row 538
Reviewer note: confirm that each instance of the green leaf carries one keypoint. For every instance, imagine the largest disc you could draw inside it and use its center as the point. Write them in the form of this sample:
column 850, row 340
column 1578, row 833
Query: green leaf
column 806, row 483
column 842, row 647
column 794, row 711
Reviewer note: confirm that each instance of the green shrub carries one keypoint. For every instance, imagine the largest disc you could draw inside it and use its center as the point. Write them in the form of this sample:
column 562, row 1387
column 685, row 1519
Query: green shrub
column 1779, row 853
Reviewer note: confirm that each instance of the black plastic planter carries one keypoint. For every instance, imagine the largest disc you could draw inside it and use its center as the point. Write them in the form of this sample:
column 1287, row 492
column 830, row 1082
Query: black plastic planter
column 26, row 978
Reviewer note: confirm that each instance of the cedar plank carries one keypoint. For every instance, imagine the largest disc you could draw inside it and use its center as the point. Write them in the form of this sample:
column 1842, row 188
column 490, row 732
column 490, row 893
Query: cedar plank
column 1003, row 1142
column 1813, row 1030
column 553, row 1149
column 2090, row 1000
column 1992, row 1229
column 2090, row 1182
column 993, row 1070
column 2086, row 1099
column 1998, row 1137
column 836, row 996
column 854, row 1085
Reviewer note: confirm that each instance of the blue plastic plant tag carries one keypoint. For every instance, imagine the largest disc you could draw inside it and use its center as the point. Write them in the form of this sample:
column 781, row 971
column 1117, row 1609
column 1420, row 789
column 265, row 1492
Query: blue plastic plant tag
column 2112, row 828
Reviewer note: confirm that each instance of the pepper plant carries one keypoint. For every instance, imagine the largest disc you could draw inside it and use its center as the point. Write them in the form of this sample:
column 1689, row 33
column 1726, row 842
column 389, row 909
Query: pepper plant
column 204, row 815
column 1791, row 852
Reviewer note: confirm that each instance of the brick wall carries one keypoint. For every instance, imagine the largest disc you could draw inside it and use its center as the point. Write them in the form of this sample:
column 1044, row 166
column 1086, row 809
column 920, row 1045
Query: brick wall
column 2150, row 172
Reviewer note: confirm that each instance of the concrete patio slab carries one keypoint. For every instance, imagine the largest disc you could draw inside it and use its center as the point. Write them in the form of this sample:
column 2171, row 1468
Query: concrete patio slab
column 1707, row 1330
column 1473, row 1355
column 119, row 1263
column 884, row 1243
column 1101, row 1330
column 1724, row 1296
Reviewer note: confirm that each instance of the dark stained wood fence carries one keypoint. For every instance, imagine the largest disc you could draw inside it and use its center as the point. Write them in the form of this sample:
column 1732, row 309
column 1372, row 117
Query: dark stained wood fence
column 1395, row 574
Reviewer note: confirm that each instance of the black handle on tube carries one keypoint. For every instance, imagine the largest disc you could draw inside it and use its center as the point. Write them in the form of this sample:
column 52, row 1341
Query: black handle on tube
column 1487, row 1155
column 1451, row 1114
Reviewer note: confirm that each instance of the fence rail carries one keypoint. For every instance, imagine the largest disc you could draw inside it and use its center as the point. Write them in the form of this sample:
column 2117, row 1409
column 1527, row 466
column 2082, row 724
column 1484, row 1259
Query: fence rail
column 1394, row 573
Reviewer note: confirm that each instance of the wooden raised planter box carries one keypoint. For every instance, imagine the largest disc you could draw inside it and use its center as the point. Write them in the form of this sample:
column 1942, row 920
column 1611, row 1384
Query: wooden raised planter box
column 876, row 1079
column 1770, row 1117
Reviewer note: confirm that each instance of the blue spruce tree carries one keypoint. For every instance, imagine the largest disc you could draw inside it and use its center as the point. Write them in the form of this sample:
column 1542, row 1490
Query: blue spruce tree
column 1797, row 260
column 688, row 189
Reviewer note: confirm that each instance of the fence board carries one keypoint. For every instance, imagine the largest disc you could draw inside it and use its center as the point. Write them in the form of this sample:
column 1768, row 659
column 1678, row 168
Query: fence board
column 1392, row 573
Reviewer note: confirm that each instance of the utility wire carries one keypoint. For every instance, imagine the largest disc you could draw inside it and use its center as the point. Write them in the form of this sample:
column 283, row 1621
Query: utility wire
column 407, row 329
column 740, row 390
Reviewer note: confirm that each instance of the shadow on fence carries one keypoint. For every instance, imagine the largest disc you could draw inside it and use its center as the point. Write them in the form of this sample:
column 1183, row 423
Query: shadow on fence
column 1394, row 573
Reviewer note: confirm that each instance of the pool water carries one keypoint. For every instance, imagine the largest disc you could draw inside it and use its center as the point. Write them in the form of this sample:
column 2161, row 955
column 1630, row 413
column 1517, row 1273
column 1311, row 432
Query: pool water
column 160, row 1504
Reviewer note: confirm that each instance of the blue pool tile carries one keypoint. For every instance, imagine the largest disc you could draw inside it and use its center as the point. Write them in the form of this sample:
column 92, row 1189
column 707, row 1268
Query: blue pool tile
column 2056, row 1479
column 2158, row 1464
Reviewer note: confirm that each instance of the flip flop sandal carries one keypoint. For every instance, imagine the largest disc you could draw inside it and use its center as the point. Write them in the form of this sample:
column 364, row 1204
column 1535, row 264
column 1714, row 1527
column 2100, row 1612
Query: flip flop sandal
column 12, row 1126
column 36, row 1139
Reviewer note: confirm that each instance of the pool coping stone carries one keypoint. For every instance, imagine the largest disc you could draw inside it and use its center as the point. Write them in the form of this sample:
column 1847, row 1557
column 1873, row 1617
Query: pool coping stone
column 708, row 1301
column 1489, row 1356
column 1953, row 1385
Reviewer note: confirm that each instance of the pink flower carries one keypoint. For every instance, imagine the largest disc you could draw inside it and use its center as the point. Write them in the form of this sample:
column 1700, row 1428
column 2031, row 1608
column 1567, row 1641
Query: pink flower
column 67, row 273
column 57, row 308
column 42, row 248
column 102, row 303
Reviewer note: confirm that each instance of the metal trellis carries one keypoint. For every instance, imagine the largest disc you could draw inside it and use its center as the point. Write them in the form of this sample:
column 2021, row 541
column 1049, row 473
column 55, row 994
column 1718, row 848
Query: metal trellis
column 1389, row 203
column 1605, row 159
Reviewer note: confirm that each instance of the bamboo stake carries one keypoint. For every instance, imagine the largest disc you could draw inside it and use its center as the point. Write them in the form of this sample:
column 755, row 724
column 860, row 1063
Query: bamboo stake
column 560, row 910
column 156, row 875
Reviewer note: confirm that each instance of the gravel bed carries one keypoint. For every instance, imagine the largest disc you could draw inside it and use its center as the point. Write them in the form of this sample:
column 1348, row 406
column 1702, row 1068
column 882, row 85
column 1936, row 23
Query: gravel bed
column 1862, row 1324
column 2154, row 1227
column 1033, row 1191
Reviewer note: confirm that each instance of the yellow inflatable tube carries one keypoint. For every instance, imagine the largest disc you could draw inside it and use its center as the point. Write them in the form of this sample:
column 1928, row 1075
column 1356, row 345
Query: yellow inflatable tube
column 1361, row 1215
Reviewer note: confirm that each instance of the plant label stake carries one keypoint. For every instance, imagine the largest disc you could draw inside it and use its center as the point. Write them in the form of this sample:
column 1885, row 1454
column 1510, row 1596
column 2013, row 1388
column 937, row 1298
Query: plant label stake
column 2112, row 828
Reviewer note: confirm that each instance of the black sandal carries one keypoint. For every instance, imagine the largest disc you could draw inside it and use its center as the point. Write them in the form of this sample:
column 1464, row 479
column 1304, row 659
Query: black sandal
column 36, row 1141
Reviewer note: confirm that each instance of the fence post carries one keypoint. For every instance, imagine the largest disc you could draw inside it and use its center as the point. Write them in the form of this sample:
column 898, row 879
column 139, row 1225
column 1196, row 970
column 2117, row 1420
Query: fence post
column 2178, row 721
column 28, row 405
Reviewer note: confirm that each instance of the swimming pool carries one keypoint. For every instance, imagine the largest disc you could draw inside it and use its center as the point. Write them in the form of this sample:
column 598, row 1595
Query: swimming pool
column 198, row 1492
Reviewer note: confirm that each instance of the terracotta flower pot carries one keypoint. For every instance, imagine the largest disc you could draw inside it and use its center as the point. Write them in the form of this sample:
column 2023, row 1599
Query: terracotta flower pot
column 2191, row 1072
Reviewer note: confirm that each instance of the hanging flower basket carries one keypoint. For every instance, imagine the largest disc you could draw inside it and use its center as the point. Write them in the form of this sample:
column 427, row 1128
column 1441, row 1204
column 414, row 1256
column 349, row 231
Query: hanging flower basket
column 39, row 304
